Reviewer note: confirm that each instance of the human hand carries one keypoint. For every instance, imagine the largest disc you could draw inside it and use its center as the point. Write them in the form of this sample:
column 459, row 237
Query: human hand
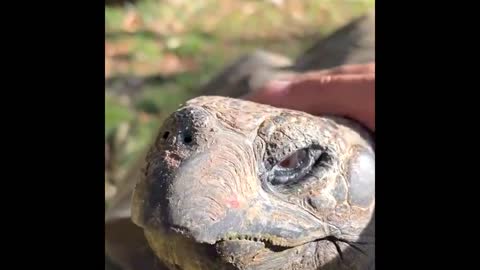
column 346, row 90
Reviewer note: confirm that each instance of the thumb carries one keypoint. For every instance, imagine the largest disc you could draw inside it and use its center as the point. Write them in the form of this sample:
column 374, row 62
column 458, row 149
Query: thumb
column 347, row 95
column 271, row 91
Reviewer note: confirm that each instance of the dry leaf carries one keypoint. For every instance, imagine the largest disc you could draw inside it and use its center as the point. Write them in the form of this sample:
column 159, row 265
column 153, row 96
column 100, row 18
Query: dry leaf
column 172, row 64
column 108, row 67
column 166, row 28
column 143, row 68
column 158, row 27
column 175, row 27
column 132, row 21
column 114, row 49
column 110, row 191
column 144, row 117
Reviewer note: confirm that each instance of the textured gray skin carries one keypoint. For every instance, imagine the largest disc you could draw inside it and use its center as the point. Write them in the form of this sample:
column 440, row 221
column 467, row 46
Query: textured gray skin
column 125, row 243
column 205, row 201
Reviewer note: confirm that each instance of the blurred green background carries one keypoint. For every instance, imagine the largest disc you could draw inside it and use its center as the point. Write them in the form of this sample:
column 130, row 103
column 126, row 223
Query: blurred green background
column 158, row 52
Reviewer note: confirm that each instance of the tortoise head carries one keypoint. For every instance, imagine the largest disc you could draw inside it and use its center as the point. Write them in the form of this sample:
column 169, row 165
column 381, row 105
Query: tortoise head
column 231, row 184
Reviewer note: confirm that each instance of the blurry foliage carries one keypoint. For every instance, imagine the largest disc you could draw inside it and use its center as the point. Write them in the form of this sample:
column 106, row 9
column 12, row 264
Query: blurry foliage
column 159, row 51
column 115, row 114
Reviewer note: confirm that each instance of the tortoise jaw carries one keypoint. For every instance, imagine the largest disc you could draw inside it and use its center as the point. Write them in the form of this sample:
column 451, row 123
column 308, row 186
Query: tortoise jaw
column 242, row 244
column 183, row 252
column 173, row 244
column 245, row 243
column 241, row 253
column 269, row 242
column 249, row 254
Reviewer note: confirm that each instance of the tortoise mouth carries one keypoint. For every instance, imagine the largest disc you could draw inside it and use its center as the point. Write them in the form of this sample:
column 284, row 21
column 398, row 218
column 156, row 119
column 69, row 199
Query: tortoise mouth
column 271, row 243
column 257, row 252
column 252, row 252
column 251, row 243
column 227, row 253
column 239, row 245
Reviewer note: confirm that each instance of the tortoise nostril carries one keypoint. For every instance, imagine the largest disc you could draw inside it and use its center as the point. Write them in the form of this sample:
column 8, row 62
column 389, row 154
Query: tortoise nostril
column 165, row 135
column 187, row 138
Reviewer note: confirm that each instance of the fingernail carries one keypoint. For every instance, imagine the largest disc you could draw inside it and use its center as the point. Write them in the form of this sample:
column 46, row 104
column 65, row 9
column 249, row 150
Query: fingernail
column 271, row 89
column 277, row 85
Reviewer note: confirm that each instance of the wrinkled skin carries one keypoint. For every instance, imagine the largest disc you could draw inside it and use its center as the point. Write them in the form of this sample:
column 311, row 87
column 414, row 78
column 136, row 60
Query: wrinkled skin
column 212, row 195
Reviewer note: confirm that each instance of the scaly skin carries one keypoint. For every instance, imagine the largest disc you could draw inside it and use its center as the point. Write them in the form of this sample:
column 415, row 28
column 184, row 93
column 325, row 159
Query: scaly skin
column 209, row 200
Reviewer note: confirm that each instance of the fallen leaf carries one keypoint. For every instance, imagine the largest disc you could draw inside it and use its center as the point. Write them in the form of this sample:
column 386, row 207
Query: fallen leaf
column 108, row 67
column 114, row 49
column 159, row 27
column 175, row 27
column 172, row 64
column 144, row 117
column 132, row 21
column 110, row 191
column 143, row 68
column 115, row 67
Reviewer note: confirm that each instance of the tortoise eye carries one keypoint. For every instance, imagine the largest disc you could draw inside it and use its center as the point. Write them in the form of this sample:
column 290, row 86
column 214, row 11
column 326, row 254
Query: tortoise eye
column 294, row 167
column 295, row 160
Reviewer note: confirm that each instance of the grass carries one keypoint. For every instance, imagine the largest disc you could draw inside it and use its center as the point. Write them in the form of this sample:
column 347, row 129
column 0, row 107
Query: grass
column 159, row 52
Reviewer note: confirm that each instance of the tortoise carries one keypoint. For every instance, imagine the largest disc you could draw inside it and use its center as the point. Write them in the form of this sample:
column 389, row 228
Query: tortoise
column 232, row 184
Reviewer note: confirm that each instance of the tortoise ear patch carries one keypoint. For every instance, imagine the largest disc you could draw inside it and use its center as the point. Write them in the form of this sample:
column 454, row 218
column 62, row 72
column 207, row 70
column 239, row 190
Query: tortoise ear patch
column 361, row 180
